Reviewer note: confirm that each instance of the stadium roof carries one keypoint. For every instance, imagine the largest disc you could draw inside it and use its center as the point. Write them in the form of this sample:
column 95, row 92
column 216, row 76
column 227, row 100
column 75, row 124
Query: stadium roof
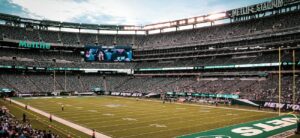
column 234, row 13
column 135, row 12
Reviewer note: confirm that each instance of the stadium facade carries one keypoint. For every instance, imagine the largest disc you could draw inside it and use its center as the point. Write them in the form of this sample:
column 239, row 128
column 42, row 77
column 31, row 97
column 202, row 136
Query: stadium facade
column 231, row 53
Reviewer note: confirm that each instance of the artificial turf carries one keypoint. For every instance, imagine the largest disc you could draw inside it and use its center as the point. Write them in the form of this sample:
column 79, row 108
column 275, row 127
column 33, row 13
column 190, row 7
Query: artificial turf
column 132, row 118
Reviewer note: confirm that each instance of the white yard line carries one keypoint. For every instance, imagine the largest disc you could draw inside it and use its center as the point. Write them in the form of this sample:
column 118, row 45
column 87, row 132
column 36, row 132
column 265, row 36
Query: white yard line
column 161, row 118
column 175, row 122
column 173, row 129
column 62, row 121
column 99, row 135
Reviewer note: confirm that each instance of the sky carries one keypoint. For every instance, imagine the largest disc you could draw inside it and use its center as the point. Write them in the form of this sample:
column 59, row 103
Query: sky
column 118, row 12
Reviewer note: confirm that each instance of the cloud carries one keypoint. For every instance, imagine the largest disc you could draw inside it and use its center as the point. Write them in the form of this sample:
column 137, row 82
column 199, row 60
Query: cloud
column 135, row 12
column 113, row 11
column 8, row 7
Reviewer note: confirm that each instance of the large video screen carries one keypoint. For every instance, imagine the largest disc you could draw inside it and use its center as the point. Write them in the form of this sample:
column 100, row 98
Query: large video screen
column 108, row 54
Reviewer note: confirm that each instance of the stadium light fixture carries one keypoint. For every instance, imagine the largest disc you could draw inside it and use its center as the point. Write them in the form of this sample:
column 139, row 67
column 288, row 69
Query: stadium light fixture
column 165, row 25
column 182, row 22
column 216, row 16
column 174, row 23
column 200, row 19
column 148, row 27
column 191, row 20
column 132, row 28
column 156, row 26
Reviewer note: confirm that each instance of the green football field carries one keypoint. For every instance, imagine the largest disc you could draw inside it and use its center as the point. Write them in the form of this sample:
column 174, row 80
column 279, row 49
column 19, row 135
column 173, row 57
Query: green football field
column 131, row 118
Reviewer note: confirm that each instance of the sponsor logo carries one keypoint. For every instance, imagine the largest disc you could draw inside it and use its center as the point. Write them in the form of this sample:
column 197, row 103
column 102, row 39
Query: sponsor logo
column 37, row 45
column 257, row 8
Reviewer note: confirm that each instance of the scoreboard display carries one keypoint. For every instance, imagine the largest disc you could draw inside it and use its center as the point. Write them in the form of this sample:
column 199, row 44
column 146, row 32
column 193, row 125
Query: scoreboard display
column 108, row 54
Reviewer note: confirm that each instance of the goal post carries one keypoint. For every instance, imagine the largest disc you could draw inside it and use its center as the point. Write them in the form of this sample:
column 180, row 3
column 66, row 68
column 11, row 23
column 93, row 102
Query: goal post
column 279, row 80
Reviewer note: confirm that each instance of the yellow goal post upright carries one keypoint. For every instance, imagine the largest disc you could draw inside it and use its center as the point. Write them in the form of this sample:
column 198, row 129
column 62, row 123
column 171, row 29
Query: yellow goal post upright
column 279, row 80
column 294, row 93
column 294, row 79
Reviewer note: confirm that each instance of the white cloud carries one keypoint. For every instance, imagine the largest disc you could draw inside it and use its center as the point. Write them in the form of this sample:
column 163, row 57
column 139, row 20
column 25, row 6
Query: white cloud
column 135, row 12
column 118, row 11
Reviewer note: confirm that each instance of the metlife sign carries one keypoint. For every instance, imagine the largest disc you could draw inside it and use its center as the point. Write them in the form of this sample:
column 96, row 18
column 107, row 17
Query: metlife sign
column 256, row 129
column 34, row 45
column 257, row 8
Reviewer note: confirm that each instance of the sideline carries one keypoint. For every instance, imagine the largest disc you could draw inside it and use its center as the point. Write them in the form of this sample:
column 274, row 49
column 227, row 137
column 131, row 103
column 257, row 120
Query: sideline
column 158, row 101
column 62, row 121
column 199, row 105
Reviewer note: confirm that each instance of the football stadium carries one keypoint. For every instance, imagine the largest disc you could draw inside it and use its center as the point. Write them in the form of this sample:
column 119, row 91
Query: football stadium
column 229, row 74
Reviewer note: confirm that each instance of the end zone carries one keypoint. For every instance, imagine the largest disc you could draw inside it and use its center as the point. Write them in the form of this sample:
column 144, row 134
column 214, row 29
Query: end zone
column 261, row 128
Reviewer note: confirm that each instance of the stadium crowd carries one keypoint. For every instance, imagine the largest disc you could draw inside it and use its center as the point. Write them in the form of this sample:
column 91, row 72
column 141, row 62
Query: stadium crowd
column 255, row 27
column 71, row 60
column 257, row 88
column 252, row 88
column 13, row 128
column 228, row 31
column 219, row 45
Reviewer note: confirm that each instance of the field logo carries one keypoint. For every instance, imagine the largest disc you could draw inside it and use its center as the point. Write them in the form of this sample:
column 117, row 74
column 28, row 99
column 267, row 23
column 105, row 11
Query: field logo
column 265, row 127
column 262, row 128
